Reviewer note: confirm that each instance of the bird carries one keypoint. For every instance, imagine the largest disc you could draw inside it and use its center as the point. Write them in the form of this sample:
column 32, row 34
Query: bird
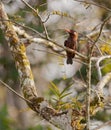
column 71, row 43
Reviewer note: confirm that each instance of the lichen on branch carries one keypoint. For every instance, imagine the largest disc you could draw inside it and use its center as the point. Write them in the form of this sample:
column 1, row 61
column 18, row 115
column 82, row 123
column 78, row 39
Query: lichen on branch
column 18, row 51
column 38, row 104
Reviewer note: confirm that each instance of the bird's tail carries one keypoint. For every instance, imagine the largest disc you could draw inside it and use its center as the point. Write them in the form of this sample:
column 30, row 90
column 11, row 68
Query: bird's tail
column 69, row 60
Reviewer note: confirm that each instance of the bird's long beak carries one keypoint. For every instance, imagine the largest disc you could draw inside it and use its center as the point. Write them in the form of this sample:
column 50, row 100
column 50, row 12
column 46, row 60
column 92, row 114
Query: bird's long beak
column 67, row 30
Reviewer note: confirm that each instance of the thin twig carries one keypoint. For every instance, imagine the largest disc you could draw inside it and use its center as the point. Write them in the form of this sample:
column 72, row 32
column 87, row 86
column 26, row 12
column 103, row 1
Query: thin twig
column 92, row 41
column 24, row 26
column 93, row 3
column 15, row 92
column 52, row 41
column 99, row 69
column 104, row 80
column 101, row 28
column 56, row 54
column 89, row 75
column 68, row 49
column 36, row 12
column 88, row 94
column 98, row 65
column 47, row 18
column 103, row 125
column 47, row 37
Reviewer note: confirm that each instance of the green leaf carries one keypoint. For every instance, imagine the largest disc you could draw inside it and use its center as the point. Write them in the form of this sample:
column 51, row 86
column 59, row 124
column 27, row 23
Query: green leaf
column 55, row 89
column 65, row 89
column 67, row 94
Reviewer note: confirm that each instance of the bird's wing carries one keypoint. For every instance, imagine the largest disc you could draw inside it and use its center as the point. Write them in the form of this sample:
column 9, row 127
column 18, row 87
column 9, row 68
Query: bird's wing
column 74, row 46
column 66, row 43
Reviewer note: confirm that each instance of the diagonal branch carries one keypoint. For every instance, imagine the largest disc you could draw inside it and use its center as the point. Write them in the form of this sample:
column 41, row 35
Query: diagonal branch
column 101, row 28
column 98, row 64
column 101, row 84
column 38, row 104
column 48, row 42
column 36, row 12
column 93, row 3
column 18, row 51
column 7, row 86
column 108, row 123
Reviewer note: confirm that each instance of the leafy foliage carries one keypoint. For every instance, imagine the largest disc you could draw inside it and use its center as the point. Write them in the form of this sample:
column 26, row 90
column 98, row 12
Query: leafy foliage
column 59, row 96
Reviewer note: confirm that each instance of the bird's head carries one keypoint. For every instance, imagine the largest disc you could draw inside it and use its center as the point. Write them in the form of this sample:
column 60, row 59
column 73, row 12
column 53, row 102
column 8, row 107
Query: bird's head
column 72, row 33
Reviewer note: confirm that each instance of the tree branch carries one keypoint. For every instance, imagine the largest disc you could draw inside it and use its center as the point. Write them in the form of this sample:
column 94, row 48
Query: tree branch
column 101, row 84
column 103, row 125
column 38, row 104
column 36, row 12
column 93, row 3
column 98, row 65
column 7, row 86
column 88, row 100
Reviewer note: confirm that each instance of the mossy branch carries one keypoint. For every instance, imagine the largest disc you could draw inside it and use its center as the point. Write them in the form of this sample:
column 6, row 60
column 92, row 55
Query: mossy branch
column 36, row 103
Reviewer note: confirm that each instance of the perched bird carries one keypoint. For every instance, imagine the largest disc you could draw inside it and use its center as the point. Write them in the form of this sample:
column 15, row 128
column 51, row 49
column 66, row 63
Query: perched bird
column 71, row 43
